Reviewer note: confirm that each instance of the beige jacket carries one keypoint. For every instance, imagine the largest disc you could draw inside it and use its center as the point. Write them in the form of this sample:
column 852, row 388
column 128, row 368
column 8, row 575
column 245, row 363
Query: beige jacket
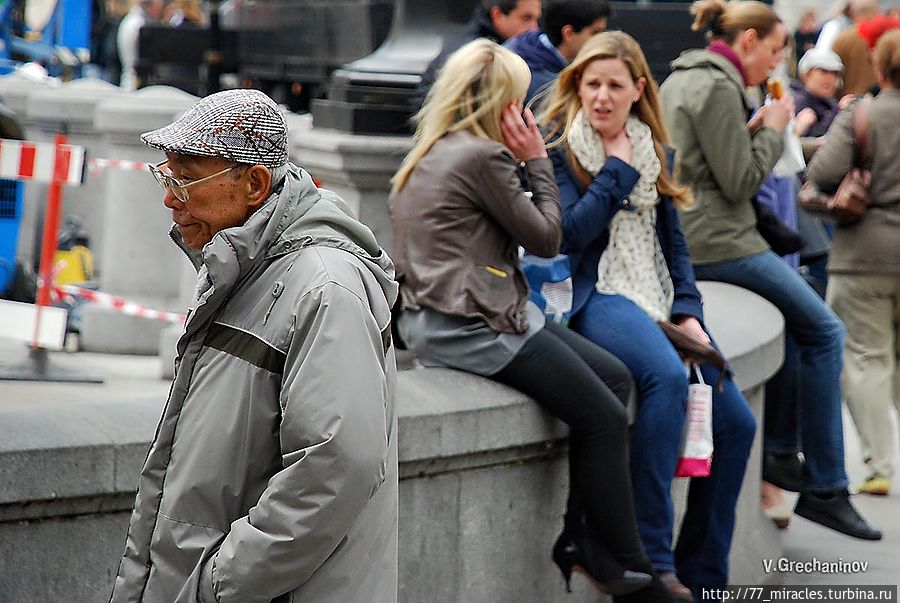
column 458, row 224
column 873, row 245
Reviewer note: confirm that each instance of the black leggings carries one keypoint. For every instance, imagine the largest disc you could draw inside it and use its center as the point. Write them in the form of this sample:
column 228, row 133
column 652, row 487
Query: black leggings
column 588, row 388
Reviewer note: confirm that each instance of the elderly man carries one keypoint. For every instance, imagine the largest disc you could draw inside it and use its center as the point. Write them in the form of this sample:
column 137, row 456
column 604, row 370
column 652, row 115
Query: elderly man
column 273, row 473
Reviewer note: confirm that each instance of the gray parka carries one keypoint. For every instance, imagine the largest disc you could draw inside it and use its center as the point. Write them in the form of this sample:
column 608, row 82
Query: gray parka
column 273, row 472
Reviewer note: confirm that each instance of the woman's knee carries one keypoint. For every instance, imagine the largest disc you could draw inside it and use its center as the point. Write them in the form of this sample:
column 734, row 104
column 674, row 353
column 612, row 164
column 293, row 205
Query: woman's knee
column 666, row 382
column 737, row 426
column 602, row 416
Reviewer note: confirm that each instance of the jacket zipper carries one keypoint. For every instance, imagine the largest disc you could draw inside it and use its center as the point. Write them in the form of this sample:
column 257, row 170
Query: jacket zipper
column 495, row 271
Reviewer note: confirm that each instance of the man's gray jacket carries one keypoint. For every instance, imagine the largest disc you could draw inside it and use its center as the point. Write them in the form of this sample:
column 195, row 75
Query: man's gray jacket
column 273, row 472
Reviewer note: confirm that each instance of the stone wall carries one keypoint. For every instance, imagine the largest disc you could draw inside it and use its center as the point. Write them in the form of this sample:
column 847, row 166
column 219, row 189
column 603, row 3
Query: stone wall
column 482, row 494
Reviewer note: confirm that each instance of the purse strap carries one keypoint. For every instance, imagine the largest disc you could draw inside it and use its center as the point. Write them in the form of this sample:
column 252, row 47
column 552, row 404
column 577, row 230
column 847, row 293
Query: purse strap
column 861, row 132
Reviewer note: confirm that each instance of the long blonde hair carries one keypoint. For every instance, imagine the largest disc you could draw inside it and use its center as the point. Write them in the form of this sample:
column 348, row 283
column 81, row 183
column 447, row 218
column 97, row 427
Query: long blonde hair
column 476, row 84
column 561, row 103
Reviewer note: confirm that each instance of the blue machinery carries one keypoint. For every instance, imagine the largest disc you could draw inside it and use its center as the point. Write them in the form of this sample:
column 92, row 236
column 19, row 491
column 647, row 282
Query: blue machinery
column 55, row 33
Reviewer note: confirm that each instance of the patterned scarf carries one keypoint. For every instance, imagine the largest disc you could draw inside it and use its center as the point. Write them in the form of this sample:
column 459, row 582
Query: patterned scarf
column 632, row 265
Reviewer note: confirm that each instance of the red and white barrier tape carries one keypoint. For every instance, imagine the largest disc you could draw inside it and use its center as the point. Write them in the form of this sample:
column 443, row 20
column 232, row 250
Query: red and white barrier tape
column 97, row 164
column 41, row 161
column 114, row 302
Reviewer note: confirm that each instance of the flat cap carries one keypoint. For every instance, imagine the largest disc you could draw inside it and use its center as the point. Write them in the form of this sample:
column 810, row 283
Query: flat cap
column 245, row 126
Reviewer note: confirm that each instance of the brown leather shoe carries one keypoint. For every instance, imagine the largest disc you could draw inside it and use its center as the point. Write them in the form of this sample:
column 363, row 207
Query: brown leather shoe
column 679, row 591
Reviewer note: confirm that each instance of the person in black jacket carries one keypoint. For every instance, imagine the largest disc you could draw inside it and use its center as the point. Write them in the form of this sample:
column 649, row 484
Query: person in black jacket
column 496, row 20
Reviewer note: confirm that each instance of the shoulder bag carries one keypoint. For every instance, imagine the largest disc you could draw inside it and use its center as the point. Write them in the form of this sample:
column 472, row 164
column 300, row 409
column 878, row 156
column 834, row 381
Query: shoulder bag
column 848, row 204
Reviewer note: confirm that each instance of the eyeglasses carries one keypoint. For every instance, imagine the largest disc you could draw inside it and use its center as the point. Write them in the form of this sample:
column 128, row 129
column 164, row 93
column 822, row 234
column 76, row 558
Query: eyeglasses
column 168, row 182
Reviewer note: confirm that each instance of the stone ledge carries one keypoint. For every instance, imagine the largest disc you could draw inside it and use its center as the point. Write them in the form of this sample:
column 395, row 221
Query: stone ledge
column 448, row 419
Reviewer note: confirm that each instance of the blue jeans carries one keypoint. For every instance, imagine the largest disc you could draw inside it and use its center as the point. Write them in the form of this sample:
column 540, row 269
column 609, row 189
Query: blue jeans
column 701, row 557
column 819, row 335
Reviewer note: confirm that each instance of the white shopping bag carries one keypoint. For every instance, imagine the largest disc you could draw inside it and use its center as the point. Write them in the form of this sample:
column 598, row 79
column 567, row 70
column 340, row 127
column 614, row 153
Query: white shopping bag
column 697, row 447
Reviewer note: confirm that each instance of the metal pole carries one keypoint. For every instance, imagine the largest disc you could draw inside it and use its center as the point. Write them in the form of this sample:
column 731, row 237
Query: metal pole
column 214, row 54
column 50, row 238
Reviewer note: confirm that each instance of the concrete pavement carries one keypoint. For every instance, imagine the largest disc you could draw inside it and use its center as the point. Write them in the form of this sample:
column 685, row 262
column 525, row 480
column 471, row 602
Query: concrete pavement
column 805, row 540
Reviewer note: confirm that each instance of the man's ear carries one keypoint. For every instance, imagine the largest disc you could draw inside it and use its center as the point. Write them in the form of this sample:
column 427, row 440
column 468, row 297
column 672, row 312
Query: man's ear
column 495, row 15
column 258, row 185
column 566, row 33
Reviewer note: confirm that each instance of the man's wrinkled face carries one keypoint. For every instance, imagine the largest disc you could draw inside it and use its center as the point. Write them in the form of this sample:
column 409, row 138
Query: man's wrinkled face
column 212, row 205
column 524, row 17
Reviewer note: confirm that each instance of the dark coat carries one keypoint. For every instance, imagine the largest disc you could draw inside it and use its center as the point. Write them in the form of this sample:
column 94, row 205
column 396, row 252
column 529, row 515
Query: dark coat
column 826, row 110
column 544, row 61
column 478, row 26
column 586, row 217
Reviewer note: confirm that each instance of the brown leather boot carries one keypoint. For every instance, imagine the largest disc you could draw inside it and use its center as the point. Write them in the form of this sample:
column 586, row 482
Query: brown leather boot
column 679, row 591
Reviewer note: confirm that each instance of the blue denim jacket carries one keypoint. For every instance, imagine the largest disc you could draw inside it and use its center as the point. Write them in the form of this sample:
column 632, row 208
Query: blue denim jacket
column 586, row 217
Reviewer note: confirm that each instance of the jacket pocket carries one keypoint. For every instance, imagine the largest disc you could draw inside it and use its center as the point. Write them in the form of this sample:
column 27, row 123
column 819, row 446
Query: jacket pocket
column 176, row 550
column 490, row 290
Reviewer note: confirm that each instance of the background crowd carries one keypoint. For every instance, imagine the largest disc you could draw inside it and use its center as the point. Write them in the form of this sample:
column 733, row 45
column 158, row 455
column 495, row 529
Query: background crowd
column 645, row 188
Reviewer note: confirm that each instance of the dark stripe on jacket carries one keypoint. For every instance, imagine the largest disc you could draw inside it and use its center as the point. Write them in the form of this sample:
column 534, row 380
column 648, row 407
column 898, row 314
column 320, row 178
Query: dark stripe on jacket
column 246, row 346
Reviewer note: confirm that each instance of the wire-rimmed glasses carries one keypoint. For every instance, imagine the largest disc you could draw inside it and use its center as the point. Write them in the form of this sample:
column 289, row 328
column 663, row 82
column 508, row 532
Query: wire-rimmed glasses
column 168, row 182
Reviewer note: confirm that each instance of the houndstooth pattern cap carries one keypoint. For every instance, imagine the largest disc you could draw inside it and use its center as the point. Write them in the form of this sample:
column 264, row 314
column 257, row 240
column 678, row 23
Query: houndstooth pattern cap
column 245, row 126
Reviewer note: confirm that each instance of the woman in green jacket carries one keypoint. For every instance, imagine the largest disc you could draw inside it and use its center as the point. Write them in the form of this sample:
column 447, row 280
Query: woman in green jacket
column 725, row 159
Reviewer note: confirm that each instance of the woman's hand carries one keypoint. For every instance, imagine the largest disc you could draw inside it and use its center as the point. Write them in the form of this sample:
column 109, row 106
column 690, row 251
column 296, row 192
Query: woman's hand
column 618, row 146
column 778, row 113
column 804, row 121
column 692, row 326
column 846, row 101
column 522, row 135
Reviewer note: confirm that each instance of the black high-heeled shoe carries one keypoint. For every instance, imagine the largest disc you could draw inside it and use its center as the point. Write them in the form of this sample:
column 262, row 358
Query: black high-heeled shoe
column 597, row 565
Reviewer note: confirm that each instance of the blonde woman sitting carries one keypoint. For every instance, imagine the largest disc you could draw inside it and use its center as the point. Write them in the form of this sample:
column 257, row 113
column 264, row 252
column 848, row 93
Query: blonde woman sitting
column 459, row 214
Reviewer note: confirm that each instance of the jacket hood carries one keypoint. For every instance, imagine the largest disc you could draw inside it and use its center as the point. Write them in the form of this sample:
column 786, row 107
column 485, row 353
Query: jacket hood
column 702, row 58
column 538, row 52
column 296, row 215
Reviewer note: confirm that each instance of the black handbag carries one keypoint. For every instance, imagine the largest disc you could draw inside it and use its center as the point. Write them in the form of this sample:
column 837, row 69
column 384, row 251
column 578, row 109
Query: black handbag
column 781, row 238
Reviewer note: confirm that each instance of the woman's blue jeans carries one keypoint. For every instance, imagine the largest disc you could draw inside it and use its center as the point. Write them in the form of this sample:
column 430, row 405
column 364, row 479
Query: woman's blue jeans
column 819, row 334
column 701, row 557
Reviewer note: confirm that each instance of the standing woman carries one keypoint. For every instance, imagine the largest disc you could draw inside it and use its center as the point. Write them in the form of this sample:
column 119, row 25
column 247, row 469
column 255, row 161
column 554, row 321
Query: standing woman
column 725, row 160
column 631, row 269
column 459, row 214
column 864, row 286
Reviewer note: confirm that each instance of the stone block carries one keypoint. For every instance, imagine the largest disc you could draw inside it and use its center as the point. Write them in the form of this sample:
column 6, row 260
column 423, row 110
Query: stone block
column 104, row 330
column 35, row 553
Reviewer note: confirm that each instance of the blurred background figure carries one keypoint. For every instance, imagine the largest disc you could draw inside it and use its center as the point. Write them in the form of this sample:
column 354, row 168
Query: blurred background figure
column 815, row 103
column 859, row 75
column 142, row 12
column 565, row 26
column 104, row 49
column 496, row 20
column 864, row 285
column 838, row 22
column 183, row 14
column 807, row 32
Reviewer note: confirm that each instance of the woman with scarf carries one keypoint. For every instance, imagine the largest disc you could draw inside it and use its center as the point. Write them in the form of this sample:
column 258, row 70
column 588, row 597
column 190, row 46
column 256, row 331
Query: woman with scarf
column 725, row 159
column 459, row 214
column 631, row 270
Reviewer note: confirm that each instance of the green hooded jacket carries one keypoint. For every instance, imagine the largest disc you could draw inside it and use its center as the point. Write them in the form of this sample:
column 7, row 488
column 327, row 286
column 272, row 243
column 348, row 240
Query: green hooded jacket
column 706, row 112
